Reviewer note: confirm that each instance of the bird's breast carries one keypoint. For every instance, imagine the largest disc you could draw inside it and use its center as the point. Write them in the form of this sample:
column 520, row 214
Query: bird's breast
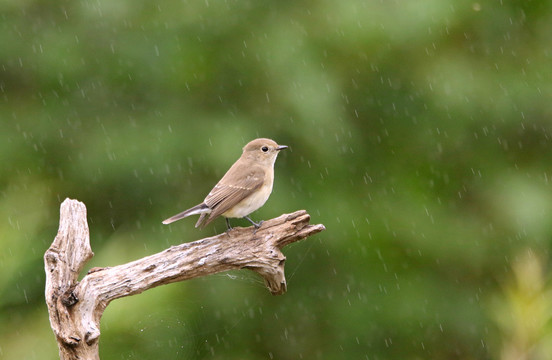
column 252, row 202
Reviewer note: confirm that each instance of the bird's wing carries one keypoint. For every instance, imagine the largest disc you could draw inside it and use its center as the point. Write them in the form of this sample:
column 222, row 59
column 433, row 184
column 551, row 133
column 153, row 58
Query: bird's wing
column 238, row 183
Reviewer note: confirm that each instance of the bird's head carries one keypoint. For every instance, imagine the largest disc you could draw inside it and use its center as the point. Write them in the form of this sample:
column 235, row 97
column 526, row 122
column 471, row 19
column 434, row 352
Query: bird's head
column 262, row 150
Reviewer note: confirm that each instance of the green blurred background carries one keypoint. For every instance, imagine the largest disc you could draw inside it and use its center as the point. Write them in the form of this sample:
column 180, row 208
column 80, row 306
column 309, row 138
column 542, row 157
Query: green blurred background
column 420, row 135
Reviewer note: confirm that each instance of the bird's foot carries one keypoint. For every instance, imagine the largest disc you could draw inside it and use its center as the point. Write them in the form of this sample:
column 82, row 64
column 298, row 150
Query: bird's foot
column 228, row 226
column 256, row 225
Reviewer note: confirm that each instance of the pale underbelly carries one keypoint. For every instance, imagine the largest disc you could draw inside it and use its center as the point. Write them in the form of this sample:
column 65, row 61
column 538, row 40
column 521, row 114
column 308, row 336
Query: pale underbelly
column 249, row 204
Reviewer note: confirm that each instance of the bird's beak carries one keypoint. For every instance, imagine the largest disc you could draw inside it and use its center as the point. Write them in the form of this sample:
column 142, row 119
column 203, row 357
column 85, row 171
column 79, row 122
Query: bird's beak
column 281, row 147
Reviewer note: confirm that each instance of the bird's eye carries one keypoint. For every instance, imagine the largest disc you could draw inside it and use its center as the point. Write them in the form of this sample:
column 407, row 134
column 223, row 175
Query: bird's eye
column 264, row 149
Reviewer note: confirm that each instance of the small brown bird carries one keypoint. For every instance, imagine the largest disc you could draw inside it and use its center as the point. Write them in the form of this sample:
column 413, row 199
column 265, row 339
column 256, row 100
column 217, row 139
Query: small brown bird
column 243, row 189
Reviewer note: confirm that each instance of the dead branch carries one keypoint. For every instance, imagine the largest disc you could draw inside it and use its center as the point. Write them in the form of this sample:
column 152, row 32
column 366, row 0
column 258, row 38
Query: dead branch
column 75, row 308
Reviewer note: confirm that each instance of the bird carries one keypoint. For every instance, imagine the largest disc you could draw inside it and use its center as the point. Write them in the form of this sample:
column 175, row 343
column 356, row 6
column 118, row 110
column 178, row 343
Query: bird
column 244, row 188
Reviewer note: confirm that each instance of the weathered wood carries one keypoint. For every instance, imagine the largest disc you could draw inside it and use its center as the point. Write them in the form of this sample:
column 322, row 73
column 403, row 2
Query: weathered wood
column 75, row 308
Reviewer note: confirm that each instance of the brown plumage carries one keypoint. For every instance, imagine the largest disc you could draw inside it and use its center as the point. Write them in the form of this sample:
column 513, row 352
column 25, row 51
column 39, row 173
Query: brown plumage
column 243, row 189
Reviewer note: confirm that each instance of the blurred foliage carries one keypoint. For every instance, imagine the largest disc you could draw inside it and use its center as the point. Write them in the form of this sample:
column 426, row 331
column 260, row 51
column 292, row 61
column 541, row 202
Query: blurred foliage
column 524, row 313
column 420, row 136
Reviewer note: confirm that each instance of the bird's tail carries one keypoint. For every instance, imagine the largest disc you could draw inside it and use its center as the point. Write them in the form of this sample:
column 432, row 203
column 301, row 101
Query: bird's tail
column 198, row 209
